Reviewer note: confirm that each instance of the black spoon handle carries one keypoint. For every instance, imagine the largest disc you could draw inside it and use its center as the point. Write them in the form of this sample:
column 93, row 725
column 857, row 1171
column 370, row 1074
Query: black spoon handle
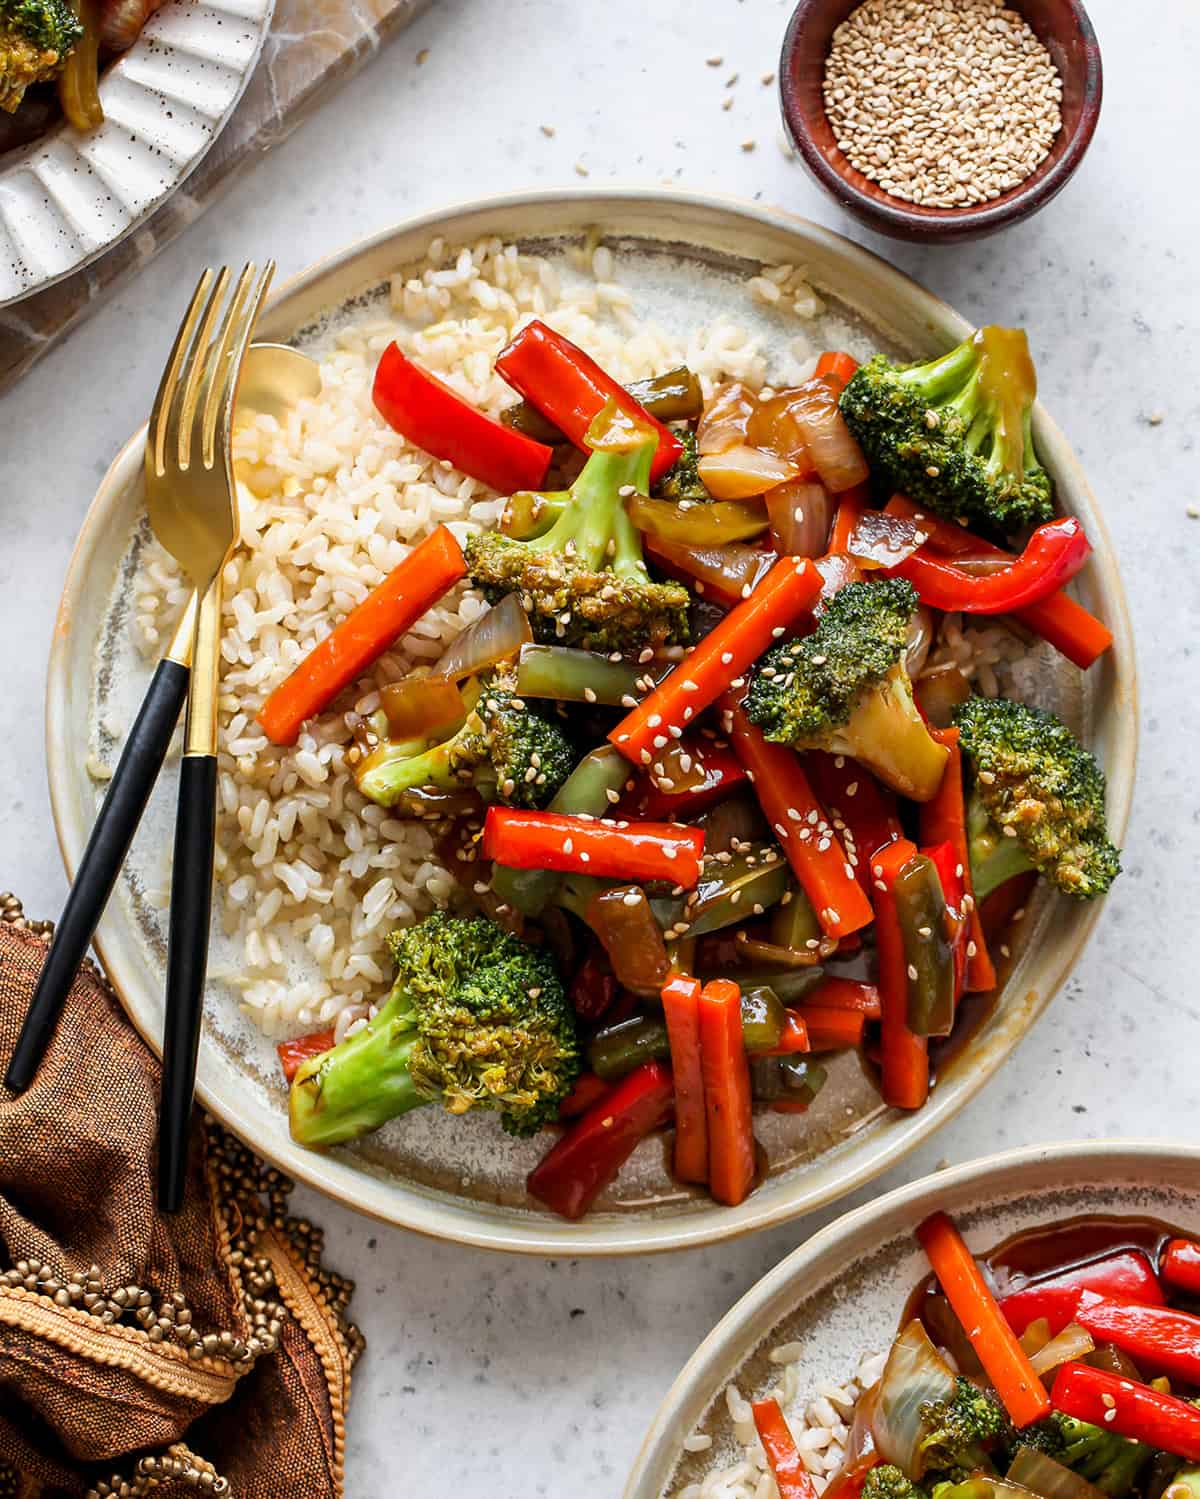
column 187, row 965
column 120, row 812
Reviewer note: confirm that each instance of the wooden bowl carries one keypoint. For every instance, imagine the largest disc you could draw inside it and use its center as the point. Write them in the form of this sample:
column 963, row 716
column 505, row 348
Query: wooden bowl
column 1063, row 28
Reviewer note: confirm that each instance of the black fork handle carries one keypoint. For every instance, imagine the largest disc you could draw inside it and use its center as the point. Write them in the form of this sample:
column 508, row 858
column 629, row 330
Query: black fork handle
column 187, row 964
column 120, row 812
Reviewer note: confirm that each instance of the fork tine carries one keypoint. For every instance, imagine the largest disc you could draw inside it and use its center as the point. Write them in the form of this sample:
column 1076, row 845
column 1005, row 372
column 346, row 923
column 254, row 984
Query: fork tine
column 183, row 412
column 217, row 368
column 240, row 345
column 156, row 436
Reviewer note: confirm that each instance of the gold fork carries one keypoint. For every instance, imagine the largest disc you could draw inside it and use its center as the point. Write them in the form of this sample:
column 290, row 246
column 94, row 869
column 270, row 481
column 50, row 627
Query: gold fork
column 192, row 501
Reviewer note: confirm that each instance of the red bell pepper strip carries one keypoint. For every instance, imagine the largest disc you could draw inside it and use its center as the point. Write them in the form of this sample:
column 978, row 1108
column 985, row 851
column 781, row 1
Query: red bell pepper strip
column 726, row 1093
column 1054, row 554
column 293, row 1054
column 851, row 504
column 949, row 866
column 862, row 811
column 793, row 1038
column 1067, row 625
column 904, row 1056
column 681, row 1010
column 783, row 1456
column 831, row 1029
column 588, row 1090
column 799, row 822
column 431, row 569
column 430, row 415
column 1126, row 1276
column 591, row 1153
column 845, row 994
column 784, row 596
column 634, row 851
column 1180, row 1265
column 944, row 820
column 1004, row 1361
column 836, row 366
column 1132, row 1410
column 570, row 388
column 1157, row 1337
column 721, row 770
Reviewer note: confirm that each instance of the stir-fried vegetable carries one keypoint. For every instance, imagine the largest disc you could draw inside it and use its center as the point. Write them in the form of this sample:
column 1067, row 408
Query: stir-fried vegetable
column 430, row 570
column 914, row 1377
column 430, row 415
column 497, row 635
column 623, row 851
column 1002, row 1357
column 726, row 1071
column 1129, row 1408
column 783, row 1457
column 570, row 389
column 681, row 1010
column 622, row 919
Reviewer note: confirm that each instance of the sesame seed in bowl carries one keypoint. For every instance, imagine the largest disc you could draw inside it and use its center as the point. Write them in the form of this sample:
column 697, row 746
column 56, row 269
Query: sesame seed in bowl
column 940, row 119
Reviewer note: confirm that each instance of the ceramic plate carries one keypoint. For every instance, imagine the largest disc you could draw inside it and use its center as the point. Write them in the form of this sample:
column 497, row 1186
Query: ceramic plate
column 68, row 196
column 685, row 260
column 842, row 1294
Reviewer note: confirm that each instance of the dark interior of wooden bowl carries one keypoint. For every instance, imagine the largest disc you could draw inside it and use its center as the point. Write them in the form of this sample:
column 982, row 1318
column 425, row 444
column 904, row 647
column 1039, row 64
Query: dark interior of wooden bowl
column 1065, row 34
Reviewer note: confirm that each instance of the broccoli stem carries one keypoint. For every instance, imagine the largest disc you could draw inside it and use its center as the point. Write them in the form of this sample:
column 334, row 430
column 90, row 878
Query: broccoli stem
column 393, row 769
column 597, row 512
column 362, row 1083
column 885, row 734
column 995, row 858
column 939, row 380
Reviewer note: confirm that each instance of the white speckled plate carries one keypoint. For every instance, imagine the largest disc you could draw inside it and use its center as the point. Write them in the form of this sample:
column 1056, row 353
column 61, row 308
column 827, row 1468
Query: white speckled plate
column 68, row 196
column 841, row 1295
column 685, row 261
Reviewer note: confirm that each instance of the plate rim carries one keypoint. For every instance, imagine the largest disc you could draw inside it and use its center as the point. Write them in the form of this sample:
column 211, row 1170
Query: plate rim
column 21, row 155
column 441, row 1216
column 723, row 1340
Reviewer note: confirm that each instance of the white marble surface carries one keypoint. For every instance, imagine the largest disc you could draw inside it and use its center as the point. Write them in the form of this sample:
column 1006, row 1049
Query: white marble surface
column 500, row 1376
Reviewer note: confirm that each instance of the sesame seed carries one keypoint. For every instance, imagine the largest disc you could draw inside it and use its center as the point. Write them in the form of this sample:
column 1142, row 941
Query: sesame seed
column 1005, row 950
column 654, row 720
column 631, row 898
column 612, row 796
column 971, row 949
column 912, row 972
column 793, row 814
column 589, row 695
column 646, row 757
column 689, row 686
column 568, row 846
column 660, row 741
column 669, row 850
column 734, row 897
column 925, row 931
column 628, row 700
column 646, row 655
column 879, row 885
column 726, row 658
column 584, row 857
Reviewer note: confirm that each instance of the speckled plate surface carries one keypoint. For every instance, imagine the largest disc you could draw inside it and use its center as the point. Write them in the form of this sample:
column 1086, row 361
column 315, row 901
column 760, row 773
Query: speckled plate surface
column 686, row 261
column 841, row 1295
column 68, row 196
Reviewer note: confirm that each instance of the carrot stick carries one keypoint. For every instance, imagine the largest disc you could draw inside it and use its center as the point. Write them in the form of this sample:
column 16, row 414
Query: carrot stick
column 783, row 1456
column 726, row 1093
column 831, row 1030
column 851, row 504
column 430, row 570
column 845, row 994
column 634, row 851
column 799, row 821
column 944, row 820
column 681, row 1008
column 904, row 1057
column 1004, row 1360
column 783, row 597
column 1065, row 624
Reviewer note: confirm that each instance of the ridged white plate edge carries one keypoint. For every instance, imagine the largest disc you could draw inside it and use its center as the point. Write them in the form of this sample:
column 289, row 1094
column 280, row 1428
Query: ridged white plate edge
column 68, row 197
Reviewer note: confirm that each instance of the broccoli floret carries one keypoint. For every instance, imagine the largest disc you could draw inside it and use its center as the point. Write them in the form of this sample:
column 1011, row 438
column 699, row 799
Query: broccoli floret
column 584, row 582
column 682, row 481
column 36, row 37
column 955, row 434
column 887, row 1481
column 505, row 750
column 1037, row 803
column 960, row 1430
column 477, row 1018
column 844, row 688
